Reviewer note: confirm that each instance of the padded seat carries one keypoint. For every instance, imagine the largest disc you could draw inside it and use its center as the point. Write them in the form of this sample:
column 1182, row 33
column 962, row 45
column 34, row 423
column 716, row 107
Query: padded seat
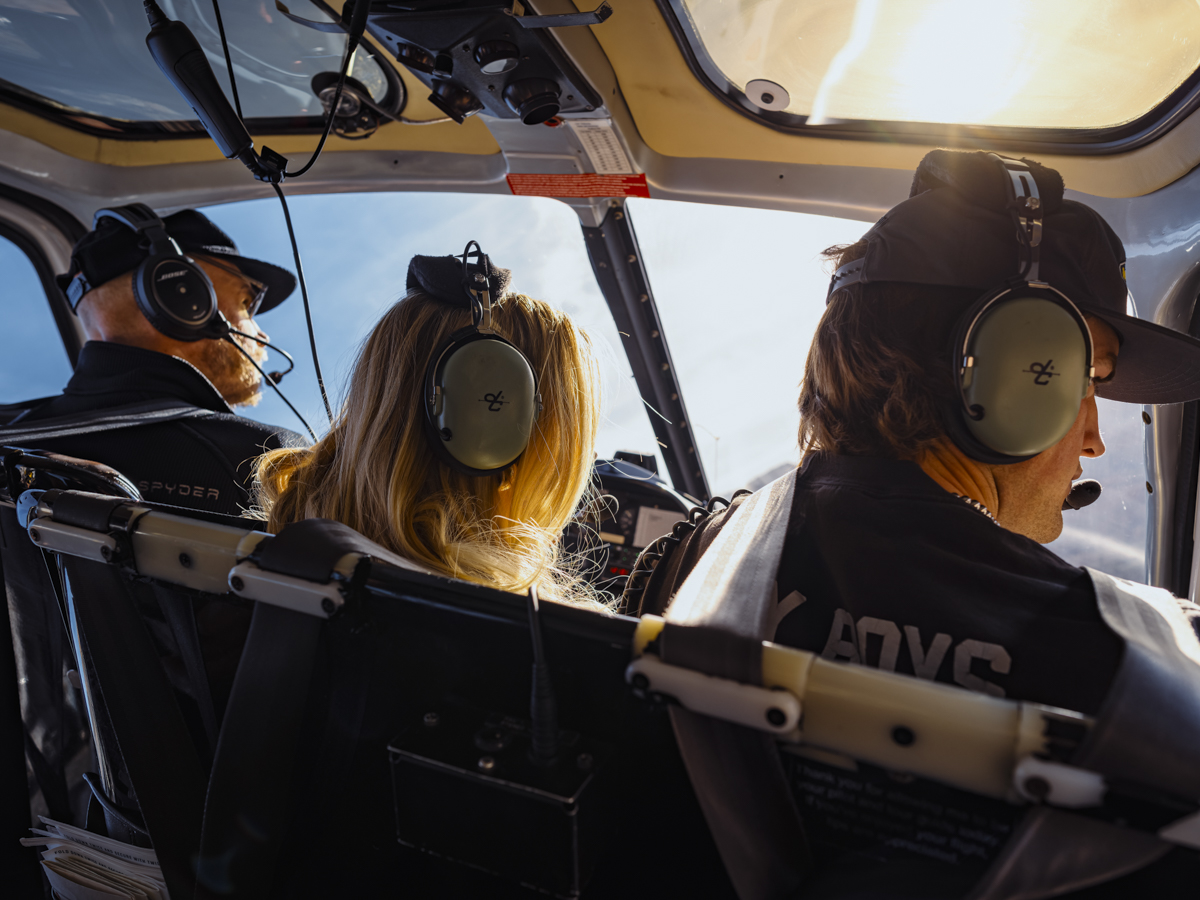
column 378, row 735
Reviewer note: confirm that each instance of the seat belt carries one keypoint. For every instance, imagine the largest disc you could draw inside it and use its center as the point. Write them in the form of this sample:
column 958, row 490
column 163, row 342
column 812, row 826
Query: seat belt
column 716, row 624
column 111, row 418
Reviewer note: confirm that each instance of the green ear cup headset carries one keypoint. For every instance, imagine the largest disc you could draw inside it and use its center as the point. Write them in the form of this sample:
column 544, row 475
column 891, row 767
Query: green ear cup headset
column 1022, row 355
column 481, row 393
column 172, row 291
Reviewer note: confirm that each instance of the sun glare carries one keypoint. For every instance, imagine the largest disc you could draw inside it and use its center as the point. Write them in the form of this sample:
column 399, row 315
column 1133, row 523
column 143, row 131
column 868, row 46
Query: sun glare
column 943, row 76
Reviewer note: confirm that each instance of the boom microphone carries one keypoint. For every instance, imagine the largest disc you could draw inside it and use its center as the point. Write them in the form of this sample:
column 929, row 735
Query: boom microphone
column 1083, row 493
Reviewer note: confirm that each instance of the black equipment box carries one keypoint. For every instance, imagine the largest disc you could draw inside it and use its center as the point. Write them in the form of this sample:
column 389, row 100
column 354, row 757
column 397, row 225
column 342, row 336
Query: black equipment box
column 466, row 788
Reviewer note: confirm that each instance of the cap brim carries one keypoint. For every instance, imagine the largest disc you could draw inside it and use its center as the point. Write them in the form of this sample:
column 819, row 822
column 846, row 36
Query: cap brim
column 1155, row 365
column 280, row 282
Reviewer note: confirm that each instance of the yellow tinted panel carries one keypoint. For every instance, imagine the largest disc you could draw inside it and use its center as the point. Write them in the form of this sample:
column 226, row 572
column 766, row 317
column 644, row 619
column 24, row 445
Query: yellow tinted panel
column 1021, row 63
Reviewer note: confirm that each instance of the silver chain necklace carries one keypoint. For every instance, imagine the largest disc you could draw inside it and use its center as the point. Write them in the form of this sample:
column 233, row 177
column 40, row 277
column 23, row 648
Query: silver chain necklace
column 975, row 504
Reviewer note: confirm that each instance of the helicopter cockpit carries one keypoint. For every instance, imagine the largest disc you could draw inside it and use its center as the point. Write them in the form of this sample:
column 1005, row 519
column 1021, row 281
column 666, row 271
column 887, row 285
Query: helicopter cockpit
column 668, row 173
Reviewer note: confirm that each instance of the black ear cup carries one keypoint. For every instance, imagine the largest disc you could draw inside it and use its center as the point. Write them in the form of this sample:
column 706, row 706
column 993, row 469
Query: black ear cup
column 481, row 402
column 173, row 292
column 178, row 299
column 1021, row 361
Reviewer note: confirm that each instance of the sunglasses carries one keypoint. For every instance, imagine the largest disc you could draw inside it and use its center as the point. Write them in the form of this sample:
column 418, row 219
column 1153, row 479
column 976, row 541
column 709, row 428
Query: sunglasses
column 257, row 287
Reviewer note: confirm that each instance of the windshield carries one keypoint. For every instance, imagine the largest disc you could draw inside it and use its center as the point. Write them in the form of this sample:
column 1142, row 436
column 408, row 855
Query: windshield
column 356, row 249
column 740, row 293
column 90, row 57
column 1024, row 63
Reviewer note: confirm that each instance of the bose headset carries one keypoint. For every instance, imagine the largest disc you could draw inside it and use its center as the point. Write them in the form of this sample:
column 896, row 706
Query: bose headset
column 172, row 291
column 1021, row 356
column 481, row 393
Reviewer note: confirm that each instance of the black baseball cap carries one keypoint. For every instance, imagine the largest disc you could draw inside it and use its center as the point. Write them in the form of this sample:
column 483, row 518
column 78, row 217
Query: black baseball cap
column 956, row 230
column 112, row 249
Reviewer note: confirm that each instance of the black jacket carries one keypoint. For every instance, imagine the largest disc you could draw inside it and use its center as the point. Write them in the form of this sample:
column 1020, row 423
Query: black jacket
column 884, row 568
column 204, row 463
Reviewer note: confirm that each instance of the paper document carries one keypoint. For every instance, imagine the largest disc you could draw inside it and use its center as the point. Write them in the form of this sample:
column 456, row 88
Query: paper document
column 85, row 866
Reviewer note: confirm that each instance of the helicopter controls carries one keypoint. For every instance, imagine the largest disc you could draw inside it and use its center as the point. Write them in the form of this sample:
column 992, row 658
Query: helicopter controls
column 476, row 56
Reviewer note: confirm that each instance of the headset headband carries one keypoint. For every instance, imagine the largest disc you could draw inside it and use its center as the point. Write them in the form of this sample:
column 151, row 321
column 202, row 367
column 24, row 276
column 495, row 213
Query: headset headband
column 1026, row 208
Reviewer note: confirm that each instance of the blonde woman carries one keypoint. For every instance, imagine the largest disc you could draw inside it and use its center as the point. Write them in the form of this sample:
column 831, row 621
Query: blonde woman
column 384, row 468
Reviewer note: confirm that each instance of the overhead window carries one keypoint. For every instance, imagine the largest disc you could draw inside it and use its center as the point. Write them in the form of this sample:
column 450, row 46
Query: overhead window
column 86, row 64
column 1038, row 64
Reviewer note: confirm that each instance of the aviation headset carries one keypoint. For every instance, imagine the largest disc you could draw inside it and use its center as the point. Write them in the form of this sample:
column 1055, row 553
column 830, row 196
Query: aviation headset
column 172, row 291
column 1021, row 356
column 481, row 393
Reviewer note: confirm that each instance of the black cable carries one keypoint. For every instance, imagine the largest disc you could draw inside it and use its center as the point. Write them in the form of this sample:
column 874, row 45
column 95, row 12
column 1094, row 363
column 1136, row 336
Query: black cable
column 352, row 41
column 271, row 381
column 228, row 60
column 351, row 45
column 355, row 27
column 275, row 376
column 312, row 338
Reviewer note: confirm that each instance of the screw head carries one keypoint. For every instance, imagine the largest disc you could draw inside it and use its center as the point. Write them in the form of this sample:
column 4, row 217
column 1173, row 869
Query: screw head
column 236, row 583
column 1037, row 787
column 185, row 560
column 106, row 552
column 640, row 681
column 486, row 764
column 431, row 719
column 328, row 606
column 776, row 716
column 903, row 736
column 36, row 535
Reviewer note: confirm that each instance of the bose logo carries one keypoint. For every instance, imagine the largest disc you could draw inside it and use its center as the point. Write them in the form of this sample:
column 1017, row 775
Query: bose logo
column 178, row 274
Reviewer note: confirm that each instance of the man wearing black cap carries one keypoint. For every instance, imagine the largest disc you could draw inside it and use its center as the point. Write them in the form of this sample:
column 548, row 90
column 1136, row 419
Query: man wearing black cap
column 203, row 457
column 948, row 397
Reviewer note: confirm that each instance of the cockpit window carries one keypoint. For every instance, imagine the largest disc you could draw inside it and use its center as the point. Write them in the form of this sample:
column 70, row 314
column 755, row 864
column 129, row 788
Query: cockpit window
column 34, row 363
column 740, row 293
column 1038, row 64
column 356, row 250
column 85, row 63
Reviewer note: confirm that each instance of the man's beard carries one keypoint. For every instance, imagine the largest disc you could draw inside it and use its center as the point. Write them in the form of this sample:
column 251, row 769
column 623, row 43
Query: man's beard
column 232, row 374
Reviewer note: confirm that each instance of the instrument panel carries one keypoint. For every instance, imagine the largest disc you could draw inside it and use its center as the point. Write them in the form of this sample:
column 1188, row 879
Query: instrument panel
column 633, row 506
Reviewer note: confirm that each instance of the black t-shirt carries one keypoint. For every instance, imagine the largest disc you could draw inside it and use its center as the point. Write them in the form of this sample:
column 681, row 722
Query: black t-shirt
column 883, row 567
column 202, row 463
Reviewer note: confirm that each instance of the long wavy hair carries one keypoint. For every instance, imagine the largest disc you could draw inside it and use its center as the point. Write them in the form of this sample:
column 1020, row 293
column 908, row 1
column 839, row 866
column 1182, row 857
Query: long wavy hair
column 375, row 471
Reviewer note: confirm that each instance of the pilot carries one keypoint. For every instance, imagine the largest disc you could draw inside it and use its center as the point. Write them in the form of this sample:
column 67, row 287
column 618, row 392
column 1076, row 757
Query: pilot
column 481, row 491
column 159, row 410
column 203, row 457
column 948, row 398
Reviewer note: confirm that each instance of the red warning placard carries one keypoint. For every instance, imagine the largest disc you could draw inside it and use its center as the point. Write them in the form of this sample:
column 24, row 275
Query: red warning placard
column 579, row 185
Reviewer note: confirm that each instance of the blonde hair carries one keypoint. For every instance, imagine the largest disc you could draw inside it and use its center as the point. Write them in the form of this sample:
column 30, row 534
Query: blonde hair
column 376, row 472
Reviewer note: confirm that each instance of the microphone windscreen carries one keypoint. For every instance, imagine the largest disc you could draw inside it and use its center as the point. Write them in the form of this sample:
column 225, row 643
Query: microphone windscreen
column 1083, row 493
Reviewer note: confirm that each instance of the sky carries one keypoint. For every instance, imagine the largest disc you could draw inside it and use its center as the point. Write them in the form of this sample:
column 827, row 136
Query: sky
column 739, row 291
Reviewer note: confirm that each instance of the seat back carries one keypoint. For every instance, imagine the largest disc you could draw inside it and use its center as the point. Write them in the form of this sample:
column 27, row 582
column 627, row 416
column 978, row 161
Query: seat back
column 339, row 727
column 379, row 729
column 42, row 717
